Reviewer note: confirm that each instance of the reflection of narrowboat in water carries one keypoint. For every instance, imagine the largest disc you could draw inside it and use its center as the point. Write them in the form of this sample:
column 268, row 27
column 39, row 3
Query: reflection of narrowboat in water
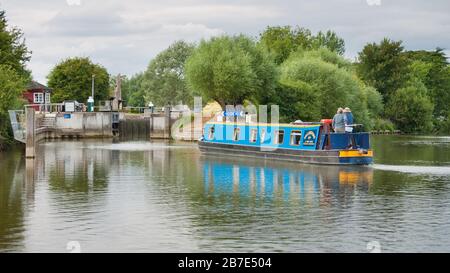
column 301, row 142
column 252, row 177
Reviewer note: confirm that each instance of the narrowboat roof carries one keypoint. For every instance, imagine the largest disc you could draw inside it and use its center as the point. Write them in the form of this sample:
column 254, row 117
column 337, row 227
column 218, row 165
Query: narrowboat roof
column 266, row 124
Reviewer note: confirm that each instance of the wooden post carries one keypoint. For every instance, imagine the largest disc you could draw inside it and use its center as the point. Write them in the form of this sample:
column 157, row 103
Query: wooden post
column 30, row 133
column 29, row 178
column 167, row 122
column 150, row 126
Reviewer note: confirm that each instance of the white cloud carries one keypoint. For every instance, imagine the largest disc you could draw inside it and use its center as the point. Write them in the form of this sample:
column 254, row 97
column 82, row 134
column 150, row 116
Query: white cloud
column 125, row 35
column 205, row 12
column 373, row 2
column 190, row 32
column 73, row 2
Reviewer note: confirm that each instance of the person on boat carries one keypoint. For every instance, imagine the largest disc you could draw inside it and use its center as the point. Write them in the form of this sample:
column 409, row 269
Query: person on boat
column 348, row 120
column 338, row 121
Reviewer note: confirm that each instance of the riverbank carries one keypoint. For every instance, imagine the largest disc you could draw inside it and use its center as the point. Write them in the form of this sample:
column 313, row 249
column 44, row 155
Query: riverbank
column 386, row 132
column 7, row 145
column 2, row 144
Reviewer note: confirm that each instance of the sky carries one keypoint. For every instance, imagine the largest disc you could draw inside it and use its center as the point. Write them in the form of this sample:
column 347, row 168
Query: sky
column 124, row 35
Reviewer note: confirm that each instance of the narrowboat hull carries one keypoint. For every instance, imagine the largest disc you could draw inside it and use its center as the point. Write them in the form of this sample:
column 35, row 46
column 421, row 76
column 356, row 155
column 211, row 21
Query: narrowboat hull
column 330, row 157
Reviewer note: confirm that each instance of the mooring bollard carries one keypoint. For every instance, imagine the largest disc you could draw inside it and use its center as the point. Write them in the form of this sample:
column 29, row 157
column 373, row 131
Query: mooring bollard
column 30, row 133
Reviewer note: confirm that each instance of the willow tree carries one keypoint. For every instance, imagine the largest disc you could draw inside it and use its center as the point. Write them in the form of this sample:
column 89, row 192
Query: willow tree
column 317, row 87
column 164, row 80
column 230, row 69
column 282, row 41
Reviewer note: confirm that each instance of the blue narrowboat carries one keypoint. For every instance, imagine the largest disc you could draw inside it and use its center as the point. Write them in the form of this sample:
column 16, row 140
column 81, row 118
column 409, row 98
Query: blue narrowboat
column 300, row 142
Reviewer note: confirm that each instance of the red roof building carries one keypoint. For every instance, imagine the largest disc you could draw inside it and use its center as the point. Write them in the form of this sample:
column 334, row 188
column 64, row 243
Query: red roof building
column 37, row 93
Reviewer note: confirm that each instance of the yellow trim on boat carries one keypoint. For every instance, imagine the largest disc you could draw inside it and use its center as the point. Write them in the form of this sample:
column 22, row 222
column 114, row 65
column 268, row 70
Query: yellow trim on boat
column 265, row 124
column 355, row 153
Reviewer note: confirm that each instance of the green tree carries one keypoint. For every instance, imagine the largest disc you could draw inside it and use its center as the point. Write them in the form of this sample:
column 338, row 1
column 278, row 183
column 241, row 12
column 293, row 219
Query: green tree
column 329, row 40
column 444, row 125
column 281, row 41
column 13, row 75
column 132, row 91
column 13, row 51
column 411, row 109
column 12, row 85
column 265, row 69
column 419, row 70
column 320, row 88
column 326, row 55
column 432, row 68
column 71, row 79
column 383, row 66
column 229, row 70
column 375, row 104
column 164, row 81
column 297, row 100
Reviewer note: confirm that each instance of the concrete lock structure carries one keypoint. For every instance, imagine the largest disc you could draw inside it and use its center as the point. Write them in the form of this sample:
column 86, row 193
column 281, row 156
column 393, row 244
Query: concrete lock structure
column 30, row 133
column 31, row 126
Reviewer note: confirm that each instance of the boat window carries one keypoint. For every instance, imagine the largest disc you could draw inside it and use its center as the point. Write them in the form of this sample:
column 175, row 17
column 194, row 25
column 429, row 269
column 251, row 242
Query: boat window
column 296, row 137
column 279, row 137
column 253, row 135
column 211, row 132
column 263, row 135
column 237, row 132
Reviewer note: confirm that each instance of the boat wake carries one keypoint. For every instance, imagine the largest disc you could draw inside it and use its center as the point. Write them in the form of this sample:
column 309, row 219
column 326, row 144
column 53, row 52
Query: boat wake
column 432, row 170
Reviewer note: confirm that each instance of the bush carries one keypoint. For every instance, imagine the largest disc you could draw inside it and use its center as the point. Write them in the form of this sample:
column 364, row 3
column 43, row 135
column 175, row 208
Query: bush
column 322, row 87
column 446, row 128
column 291, row 107
column 411, row 109
column 442, row 125
column 383, row 124
column 2, row 145
column 374, row 102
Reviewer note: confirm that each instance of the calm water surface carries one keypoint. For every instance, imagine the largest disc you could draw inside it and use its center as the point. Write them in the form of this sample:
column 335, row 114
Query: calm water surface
column 140, row 196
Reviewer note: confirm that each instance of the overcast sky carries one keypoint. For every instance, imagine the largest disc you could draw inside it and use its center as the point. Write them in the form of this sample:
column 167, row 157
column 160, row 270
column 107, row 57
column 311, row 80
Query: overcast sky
column 124, row 35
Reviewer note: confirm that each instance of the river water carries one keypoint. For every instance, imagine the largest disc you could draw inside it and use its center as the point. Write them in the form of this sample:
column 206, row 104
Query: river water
column 140, row 196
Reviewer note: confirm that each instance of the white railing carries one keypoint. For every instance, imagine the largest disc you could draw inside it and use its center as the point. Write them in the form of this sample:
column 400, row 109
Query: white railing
column 54, row 107
column 142, row 109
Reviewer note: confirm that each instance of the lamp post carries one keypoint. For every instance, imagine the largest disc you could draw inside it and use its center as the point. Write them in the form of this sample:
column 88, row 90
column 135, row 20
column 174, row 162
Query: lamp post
column 93, row 81
column 90, row 101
